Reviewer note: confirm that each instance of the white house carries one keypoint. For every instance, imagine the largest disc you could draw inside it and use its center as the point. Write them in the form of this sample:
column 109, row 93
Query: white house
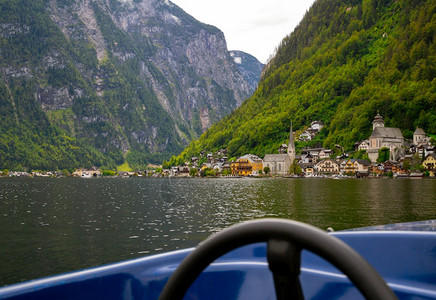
column 317, row 125
column 328, row 166
column 325, row 153
column 364, row 145
column 305, row 136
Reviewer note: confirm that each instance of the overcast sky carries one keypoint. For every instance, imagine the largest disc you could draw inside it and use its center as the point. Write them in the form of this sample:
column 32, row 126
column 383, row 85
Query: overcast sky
column 253, row 26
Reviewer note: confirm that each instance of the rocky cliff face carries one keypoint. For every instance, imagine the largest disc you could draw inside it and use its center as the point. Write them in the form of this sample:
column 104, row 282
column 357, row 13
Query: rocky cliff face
column 131, row 76
column 249, row 66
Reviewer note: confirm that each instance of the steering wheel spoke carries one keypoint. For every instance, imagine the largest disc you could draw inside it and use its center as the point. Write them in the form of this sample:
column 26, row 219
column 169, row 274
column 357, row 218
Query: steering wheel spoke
column 284, row 260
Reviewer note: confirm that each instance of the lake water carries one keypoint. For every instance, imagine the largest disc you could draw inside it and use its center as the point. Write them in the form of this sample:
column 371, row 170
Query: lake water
column 49, row 226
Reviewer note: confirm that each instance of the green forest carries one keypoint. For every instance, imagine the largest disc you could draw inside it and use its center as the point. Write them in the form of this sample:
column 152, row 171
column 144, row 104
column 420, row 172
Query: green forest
column 345, row 61
column 27, row 137
column 52, row 139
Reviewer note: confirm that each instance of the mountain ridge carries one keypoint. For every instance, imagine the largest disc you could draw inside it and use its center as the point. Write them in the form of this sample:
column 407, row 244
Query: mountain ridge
column 100, row 82
column 249, row 66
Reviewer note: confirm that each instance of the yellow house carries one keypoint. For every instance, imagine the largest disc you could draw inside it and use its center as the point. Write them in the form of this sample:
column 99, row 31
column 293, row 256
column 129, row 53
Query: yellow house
column 429, row 164
column 307, row 168
column 247, row 165
column 356, row 165
column 349, row 166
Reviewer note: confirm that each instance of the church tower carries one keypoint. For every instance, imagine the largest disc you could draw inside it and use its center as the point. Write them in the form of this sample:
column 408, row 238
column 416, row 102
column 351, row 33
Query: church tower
column 291, row 146
column 378, row 121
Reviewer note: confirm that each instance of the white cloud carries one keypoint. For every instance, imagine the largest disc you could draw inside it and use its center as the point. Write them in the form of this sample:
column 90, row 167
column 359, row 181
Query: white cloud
column 253, row 26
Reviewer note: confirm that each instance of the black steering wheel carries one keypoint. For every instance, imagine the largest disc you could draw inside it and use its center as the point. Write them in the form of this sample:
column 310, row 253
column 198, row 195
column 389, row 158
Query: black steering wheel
column 285, row 240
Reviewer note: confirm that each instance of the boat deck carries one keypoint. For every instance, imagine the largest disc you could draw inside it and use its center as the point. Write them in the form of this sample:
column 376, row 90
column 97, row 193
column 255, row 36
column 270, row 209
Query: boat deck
column 404, row 256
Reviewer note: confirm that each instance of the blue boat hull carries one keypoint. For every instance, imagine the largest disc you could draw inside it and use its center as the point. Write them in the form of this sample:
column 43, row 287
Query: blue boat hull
column 405, row 259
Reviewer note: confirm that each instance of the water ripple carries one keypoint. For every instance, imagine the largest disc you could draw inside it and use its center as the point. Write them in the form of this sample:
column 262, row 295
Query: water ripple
column 50, row 226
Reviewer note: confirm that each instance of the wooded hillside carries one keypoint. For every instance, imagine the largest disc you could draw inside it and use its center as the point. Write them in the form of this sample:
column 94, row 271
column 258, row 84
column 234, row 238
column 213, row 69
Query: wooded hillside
column 103, row 83
column 346, row 61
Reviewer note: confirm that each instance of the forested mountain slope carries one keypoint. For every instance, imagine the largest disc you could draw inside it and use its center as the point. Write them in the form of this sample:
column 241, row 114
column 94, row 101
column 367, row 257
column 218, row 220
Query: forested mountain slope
column 95, row 82
column 346, row 61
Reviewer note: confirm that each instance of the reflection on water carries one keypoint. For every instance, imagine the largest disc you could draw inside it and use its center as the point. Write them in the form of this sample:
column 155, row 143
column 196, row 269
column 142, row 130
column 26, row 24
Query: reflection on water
column 48, row 226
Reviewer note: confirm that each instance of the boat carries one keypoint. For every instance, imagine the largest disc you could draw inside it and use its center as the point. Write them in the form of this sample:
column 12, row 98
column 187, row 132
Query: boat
column 265, row 259
column 416, row 175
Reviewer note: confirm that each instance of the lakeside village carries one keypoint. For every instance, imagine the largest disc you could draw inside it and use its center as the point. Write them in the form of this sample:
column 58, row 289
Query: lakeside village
column 401, row 158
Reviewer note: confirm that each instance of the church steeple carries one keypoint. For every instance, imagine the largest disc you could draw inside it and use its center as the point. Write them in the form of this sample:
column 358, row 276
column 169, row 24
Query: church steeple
column 291, row 145
column 378, row 121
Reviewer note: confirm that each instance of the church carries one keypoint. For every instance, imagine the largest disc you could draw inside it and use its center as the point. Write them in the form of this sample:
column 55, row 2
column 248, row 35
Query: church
column 388, row 137
column 279, row 164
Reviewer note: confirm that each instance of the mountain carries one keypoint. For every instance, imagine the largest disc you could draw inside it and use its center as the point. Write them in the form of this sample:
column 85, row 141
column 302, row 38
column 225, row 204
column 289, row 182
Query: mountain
column 98, row 82
column 249, row 66
column 345, row 62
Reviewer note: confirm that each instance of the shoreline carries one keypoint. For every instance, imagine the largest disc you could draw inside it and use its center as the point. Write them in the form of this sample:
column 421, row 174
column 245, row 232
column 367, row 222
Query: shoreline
column 337, row 177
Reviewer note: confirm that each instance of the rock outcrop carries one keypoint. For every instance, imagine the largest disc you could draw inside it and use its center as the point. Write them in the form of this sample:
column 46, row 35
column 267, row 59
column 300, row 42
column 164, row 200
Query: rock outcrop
column 131, row 76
